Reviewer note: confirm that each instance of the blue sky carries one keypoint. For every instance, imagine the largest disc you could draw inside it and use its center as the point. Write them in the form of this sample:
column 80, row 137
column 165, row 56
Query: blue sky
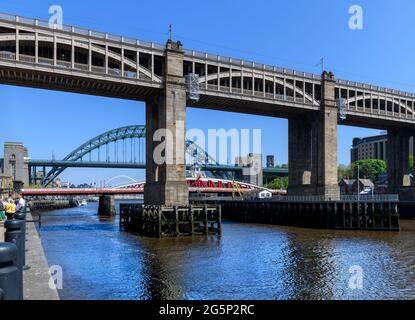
column 293, row 34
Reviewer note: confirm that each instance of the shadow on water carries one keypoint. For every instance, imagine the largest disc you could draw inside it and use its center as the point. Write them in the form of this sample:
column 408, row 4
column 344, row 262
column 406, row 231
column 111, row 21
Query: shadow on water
column 318, row 264
column 246, row 262
column 165, row 263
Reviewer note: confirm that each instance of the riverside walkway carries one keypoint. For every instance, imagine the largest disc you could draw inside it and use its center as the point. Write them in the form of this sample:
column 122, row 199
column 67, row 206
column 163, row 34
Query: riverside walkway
column 35, row 279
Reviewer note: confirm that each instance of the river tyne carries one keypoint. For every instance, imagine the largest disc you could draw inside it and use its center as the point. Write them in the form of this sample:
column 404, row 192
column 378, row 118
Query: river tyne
column 248, row 261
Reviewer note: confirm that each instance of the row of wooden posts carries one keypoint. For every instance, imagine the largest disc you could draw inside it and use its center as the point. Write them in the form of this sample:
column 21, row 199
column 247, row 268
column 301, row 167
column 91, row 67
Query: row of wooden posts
column 323, row 215
column 165, row 221
column 41, row 205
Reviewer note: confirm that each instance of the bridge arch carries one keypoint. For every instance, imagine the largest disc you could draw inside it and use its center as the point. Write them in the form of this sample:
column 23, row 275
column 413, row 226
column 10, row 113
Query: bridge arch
column 376, row 99
column 194, row 151
column 248, row 75
column 95, row 48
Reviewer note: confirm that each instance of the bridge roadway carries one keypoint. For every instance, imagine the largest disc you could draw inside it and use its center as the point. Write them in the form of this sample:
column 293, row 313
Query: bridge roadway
column 126, row 165
column 36, row 54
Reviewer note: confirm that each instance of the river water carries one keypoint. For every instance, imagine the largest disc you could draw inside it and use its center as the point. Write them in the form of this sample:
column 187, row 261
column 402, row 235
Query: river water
column 246, row 262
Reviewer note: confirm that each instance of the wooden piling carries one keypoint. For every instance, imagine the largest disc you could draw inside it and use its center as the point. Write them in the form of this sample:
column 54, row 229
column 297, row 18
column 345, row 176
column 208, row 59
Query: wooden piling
column 192, row 220
column 176, row 214
column 219, row 210
column 206, row 221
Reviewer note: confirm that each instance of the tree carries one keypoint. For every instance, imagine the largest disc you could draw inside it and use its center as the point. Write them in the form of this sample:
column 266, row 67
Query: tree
column 345, row 172
column 283, row 166
column 278, row 184
column 369, row 169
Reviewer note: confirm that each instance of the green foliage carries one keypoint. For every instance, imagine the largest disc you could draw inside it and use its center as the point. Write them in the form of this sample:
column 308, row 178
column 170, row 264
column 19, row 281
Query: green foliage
column 345, row 172
column 283, row 166
column 369, row 169
column 278, row 184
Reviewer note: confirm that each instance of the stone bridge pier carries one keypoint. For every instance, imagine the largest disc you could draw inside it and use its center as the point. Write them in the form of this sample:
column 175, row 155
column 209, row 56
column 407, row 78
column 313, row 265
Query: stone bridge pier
column 106, row 206
column 165, row 141
column 313, row 148
column 400, row 180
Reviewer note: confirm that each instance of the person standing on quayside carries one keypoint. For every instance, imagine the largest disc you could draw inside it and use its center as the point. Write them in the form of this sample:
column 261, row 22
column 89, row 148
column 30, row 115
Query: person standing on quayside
column 21, row 203
column 10, row 209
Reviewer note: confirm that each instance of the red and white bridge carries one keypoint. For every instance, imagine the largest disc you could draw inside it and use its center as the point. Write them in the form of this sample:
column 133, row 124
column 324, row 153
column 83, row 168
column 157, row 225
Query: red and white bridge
column 196, row 185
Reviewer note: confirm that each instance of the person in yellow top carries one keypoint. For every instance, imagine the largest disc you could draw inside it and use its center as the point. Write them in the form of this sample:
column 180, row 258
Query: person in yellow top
column 10, row 209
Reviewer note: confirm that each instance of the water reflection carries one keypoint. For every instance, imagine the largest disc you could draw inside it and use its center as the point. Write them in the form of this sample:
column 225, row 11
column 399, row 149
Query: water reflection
column 247, row 262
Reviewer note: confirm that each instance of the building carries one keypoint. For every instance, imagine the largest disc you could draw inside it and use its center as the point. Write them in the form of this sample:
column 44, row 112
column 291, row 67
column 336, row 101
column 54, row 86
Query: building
column 270, row 162
column 6, row 185
column 362, row 185
column 352, row 186
column 16, row 164
column 374, row 147
column 346, row 186
column 252, row 168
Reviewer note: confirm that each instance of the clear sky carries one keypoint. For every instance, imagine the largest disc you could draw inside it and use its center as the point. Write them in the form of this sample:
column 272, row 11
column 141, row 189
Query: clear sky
column 293, row 34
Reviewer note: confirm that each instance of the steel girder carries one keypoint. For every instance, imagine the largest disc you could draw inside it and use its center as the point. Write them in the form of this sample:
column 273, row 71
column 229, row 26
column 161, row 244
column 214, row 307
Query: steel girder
column 199, row 155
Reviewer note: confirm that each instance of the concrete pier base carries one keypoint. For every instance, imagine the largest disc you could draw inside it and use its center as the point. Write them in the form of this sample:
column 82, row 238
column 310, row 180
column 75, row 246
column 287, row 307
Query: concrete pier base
column 106, row 206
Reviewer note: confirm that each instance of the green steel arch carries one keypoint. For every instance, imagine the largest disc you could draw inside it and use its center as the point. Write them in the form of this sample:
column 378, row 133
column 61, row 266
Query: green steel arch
column 199, row 156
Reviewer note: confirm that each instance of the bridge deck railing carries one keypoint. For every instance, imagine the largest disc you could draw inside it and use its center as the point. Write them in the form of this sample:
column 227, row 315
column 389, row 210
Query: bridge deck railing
column 80, row 31
column 250, row 64
column 373, row 87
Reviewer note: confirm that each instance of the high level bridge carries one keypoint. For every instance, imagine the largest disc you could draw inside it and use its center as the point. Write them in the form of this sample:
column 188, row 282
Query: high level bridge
column 36, row 54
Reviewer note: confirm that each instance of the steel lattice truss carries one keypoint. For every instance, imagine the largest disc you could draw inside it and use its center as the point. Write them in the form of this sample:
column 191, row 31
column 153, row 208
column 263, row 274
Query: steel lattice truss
column 197, row 154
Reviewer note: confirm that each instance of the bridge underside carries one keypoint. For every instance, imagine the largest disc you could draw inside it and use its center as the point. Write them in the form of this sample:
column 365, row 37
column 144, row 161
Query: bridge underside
column 255, row 105
column 76, row 83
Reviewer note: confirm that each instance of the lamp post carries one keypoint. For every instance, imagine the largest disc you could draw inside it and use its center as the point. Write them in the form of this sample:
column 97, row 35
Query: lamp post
column 358, row 183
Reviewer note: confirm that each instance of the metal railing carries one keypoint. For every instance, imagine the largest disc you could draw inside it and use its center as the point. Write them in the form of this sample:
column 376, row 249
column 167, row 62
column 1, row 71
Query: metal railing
column 6, row 55
column 389, row 114
column 342, row 198
column 81, row 31
column 374, row 197
column 366, row 86
column 250, row 93
column 250, row 64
